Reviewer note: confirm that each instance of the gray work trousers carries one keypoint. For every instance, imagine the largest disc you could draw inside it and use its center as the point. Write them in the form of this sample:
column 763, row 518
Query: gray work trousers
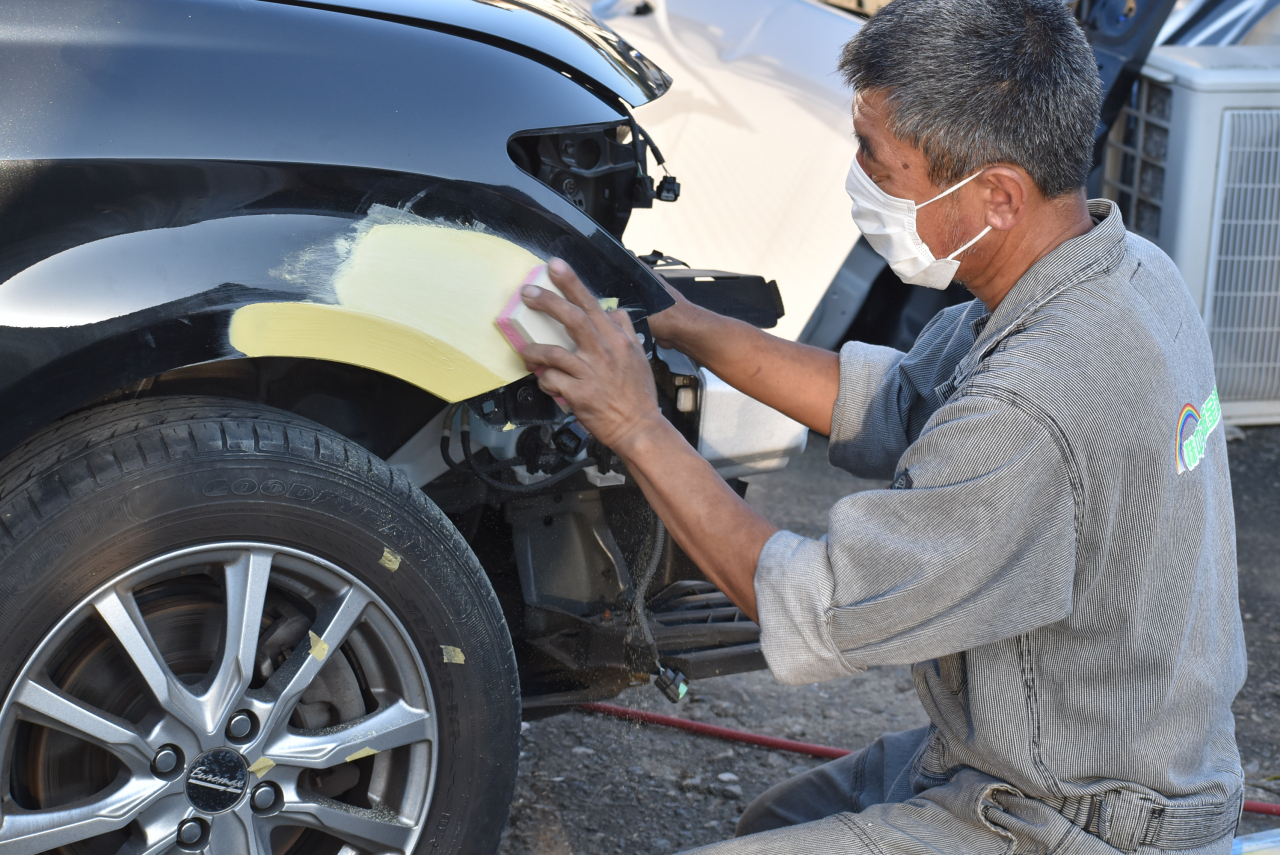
column 875, row 802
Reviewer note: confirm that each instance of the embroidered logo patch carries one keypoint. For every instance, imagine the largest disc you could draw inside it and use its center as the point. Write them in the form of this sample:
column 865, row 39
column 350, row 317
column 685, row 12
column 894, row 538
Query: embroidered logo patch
column 1194, row 427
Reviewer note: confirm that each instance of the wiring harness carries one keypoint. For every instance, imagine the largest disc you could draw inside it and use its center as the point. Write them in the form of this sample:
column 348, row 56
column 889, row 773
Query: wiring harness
column 482, row 472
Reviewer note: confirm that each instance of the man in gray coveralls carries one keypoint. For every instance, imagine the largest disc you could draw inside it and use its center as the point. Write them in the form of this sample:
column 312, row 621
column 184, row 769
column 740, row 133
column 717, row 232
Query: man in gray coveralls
column 1056, row 551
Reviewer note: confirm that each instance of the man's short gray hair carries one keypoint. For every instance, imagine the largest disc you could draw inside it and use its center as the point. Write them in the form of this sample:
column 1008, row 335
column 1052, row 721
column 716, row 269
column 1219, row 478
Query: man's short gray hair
column 973, row 83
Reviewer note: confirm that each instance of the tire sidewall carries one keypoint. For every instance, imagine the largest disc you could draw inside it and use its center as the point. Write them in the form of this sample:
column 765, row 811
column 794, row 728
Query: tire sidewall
column 337, row 512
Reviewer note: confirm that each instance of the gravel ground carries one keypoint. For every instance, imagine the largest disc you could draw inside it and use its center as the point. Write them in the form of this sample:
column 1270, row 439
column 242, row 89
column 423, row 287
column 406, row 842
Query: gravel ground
column 590, row 784
column 1255, row 486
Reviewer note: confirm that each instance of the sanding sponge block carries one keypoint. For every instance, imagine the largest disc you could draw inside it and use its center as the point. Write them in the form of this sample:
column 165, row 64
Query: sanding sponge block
column 523, row 326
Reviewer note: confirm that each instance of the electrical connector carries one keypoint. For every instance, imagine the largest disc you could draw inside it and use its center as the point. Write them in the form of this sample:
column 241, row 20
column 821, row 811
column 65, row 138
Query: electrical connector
column 668, row 189
column 671, row 683
column 570, row 438
column 642, row 194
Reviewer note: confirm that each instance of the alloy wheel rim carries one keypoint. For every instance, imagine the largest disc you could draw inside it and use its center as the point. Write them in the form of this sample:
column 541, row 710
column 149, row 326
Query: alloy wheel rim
column 261, row 748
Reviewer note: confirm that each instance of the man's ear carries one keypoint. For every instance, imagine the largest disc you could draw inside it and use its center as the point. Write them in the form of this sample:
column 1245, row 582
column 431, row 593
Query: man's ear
column 1006, row 192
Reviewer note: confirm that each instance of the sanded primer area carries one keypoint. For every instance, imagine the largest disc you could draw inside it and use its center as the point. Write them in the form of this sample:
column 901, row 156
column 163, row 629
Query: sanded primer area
column 402, row 295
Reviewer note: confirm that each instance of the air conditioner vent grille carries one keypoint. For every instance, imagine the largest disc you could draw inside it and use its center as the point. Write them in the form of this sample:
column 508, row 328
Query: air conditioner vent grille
column 1243, row 306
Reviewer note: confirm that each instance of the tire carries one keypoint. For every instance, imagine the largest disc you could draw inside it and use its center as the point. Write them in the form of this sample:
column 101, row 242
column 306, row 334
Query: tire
column 152, row 514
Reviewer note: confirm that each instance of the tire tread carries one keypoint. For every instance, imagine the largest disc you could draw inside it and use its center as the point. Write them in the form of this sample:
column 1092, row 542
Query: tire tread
column 93, row 449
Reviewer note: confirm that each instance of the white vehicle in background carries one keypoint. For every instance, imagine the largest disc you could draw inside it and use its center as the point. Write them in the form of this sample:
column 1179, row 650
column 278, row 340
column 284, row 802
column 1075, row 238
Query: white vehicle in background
column 757, row 126
column 758, row 129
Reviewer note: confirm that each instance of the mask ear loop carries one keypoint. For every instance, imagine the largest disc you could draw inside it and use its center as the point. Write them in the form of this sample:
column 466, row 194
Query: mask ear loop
column 953, row 188
column 981, row 234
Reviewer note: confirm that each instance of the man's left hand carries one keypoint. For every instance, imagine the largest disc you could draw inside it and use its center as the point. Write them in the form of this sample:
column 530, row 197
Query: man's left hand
column 607, row 382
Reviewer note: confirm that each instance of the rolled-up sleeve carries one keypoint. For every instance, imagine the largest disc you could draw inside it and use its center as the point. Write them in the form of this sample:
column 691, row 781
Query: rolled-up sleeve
column 979, row 547
column 886, row 397
column 868, row 431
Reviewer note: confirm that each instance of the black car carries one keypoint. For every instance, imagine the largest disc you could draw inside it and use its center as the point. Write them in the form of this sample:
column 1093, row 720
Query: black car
column 288, row 543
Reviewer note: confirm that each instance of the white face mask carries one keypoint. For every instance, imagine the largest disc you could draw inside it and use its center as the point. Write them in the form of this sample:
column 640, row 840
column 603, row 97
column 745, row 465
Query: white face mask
column 889, row 225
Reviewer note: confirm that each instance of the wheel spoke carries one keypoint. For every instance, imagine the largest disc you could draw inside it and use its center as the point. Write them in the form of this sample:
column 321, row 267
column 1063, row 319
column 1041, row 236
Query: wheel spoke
column 25, row 832
column 143, row 846
column 246, row 589
column 125, row 621
column 377, row 831
column 241, row 832
column 390, row 727
column 45, row 704
column 149, row 807
column 155, row 829
column 335, row 620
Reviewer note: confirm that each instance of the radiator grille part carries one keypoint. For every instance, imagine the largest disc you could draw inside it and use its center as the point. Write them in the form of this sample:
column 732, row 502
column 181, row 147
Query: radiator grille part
column 1243, row 294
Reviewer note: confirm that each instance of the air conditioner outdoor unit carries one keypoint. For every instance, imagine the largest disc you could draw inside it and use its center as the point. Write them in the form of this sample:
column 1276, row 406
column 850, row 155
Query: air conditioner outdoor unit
column 1194, row 164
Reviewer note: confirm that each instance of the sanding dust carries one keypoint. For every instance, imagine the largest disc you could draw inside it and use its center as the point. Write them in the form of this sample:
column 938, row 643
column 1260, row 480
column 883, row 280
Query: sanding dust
column 400, row 294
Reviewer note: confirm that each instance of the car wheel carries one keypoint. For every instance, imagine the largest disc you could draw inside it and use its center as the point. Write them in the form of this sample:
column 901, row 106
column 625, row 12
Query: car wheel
column 225, row 629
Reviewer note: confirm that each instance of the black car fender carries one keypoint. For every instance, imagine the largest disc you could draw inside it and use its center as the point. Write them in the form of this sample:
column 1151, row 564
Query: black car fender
column 157, row 208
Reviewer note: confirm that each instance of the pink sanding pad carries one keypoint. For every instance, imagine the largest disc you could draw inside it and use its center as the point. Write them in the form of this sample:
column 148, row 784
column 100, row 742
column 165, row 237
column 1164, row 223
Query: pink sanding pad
column 522, row 326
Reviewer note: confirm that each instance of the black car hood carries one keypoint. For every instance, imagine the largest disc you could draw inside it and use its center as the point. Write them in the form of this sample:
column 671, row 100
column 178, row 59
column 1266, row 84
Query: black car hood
column 554, row 30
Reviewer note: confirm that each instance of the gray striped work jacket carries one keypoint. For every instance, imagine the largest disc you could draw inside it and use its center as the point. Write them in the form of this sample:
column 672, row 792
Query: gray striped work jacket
column 1056, row 552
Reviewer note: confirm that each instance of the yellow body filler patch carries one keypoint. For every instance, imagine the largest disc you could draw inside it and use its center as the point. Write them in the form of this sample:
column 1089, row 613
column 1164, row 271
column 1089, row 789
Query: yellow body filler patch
column 363, row 752
column 319, row 647
column 335, row 333
column 390, row 560
column 453, row 655
column 416, row 300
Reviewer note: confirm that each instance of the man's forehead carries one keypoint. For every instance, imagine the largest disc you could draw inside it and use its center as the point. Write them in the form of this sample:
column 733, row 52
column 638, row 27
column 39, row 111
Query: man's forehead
column 869, row 121
column 871, row 107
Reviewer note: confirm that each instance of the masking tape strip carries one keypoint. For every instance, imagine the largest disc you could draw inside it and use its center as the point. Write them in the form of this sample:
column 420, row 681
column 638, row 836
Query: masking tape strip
column 262, row 766
column 390, row 560
column 319, row 647
column 363, row 752
column 453, row 655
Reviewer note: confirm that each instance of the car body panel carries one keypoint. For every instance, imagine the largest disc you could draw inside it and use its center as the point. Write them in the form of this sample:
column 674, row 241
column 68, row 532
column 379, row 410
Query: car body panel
column 210, row 80
column 757, row 126
column 165, row 161
column 553, row 30
column 401, row 295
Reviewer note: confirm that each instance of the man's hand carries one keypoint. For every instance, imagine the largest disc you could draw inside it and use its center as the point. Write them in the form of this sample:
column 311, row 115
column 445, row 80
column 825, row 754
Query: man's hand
column 610, row 387
column 608, row 382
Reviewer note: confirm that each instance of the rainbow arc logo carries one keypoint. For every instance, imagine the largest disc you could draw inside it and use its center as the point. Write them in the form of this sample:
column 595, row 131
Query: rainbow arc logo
column 1194, row 427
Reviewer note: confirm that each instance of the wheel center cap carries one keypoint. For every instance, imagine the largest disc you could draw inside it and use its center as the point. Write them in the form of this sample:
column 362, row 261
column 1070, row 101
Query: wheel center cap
column 217, row 780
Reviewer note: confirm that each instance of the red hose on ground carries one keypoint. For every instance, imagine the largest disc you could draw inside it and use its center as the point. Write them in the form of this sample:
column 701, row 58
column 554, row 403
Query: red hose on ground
column 713, row 730
column 776, row 743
